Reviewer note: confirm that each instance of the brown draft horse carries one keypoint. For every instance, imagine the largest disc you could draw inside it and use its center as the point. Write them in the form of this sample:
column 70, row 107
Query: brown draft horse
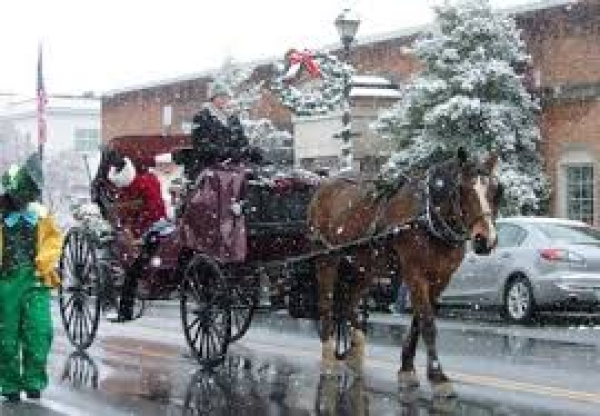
column 434, row 215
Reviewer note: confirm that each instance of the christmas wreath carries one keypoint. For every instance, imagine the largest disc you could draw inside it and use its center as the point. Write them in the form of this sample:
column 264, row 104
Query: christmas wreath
column 311, row 83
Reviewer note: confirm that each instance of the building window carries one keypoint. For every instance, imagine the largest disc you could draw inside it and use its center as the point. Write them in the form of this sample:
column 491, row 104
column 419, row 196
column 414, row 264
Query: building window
column 580, row 192
column 86, row 140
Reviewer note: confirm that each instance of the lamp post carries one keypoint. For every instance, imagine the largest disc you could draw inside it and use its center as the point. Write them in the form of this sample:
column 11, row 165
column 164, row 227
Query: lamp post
column 347, row 25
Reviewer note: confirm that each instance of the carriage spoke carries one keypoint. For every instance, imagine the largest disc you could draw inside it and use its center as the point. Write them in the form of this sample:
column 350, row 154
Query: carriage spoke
column 193, row 323
column 69, row 302
column 197, row 332
column 80, row 321
column 69, row 264
column 72, row 311
column 87, row 317
column 74, row 321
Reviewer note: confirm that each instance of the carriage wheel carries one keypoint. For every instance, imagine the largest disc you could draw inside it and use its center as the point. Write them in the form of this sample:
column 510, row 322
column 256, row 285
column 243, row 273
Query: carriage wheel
column 78, row 294
column 205, row 311
column 244, row 299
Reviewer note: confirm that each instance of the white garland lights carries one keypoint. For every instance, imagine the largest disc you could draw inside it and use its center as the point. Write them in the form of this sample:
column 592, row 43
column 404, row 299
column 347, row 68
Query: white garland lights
column 319, row 93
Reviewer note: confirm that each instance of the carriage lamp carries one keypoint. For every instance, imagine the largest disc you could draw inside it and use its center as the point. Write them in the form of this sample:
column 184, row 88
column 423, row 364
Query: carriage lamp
column 347, row 25
column 155, row 262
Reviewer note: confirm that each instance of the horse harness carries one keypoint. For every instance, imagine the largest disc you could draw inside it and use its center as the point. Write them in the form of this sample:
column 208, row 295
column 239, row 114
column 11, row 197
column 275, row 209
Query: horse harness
column 452, row 232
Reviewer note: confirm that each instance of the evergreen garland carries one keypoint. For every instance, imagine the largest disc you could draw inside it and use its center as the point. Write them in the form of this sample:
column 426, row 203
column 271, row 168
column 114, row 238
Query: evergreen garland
column 317, row 101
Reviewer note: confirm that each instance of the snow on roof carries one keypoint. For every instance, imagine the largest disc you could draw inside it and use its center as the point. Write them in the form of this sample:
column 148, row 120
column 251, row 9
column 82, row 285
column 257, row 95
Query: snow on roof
column 26, row 105
column 374, row 92
column 370, row 80
column 537, row 5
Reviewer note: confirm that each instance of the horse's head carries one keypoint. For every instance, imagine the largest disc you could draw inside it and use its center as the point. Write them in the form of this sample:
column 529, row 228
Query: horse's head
column 480, row 194
column 463, row 200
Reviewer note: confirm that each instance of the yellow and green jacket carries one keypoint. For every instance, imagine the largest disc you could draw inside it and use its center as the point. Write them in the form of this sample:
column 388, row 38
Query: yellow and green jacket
column 49, row 246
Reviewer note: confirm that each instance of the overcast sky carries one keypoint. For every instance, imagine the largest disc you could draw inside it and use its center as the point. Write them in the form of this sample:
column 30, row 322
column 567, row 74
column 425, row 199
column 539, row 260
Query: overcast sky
column 110, row 44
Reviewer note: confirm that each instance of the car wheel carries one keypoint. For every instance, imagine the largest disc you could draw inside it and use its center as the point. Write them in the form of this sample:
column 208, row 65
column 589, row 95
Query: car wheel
column 518, row 301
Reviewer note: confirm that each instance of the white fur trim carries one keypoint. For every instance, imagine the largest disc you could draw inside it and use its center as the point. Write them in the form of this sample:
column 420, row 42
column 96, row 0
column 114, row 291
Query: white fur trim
column 40, row 210
column 123, row 178
column 163, row 158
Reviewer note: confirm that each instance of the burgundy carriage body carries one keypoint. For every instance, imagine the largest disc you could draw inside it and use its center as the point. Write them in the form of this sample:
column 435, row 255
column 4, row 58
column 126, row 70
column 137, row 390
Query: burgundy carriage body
column 236, row 219
column 271, row 225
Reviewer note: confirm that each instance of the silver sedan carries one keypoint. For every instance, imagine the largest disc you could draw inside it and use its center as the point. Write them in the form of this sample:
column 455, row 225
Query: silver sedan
column 540, row 263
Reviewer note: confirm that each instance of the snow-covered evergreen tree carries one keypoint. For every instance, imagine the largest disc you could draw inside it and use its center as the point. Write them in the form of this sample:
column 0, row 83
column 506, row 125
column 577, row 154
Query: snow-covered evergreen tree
column 245, row 93
column 470, row 93
column 237, row 78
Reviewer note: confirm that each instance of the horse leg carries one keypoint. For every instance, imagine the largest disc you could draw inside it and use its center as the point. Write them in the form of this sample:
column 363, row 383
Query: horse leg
column 442, row 388
column 327, row 275
column 356, row 356
column 407, row 376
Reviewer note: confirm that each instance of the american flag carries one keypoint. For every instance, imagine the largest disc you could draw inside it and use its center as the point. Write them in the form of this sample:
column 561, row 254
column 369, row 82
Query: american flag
column 42, row 100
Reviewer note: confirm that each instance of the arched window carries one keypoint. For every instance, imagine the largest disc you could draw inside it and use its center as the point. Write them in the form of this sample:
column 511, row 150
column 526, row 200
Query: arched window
column 576, row 185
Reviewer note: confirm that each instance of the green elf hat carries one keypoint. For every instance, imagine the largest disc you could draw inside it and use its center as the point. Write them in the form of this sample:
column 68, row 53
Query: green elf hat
column 27, row 178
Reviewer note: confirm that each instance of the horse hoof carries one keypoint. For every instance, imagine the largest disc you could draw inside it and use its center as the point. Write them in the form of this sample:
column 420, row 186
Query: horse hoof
column 407, row 380
column 443, row 390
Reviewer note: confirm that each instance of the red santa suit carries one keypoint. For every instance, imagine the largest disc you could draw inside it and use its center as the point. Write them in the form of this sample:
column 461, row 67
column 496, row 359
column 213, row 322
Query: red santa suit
column 139, row 198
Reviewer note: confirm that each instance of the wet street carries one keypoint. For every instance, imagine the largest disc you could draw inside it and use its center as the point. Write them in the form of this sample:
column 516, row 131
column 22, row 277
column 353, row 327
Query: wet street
column 143, row 368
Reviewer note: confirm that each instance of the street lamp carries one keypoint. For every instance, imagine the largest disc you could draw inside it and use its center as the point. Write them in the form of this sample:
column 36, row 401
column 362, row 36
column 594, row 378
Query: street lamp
column 347, row 25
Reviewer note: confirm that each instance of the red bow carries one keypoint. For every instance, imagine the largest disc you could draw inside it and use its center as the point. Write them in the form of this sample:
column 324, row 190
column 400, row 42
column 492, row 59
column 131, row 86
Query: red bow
column 306, row 59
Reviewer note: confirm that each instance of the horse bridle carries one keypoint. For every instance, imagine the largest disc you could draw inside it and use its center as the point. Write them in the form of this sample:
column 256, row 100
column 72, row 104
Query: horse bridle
column 439, row 226
column 451, row 232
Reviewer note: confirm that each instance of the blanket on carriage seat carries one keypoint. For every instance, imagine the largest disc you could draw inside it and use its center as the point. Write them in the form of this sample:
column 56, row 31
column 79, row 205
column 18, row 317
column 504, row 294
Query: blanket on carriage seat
column 212, row 221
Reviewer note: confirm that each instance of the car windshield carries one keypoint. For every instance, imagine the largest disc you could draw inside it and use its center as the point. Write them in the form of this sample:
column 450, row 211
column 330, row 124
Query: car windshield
column 571, row 234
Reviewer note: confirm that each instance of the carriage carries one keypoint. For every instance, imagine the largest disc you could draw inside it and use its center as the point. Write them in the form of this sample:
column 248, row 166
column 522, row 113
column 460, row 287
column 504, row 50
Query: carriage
column 238, row 243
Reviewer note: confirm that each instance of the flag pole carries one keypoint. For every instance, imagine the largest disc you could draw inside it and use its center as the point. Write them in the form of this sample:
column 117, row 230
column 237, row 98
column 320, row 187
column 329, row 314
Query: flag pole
column 41, row 111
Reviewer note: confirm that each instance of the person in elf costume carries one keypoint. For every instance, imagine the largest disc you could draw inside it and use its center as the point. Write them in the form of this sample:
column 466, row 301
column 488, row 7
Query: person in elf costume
column 30, row 246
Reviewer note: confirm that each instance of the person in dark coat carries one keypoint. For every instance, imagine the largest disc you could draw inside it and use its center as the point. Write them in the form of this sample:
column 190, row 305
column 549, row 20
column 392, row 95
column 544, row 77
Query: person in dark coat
column 218, row 135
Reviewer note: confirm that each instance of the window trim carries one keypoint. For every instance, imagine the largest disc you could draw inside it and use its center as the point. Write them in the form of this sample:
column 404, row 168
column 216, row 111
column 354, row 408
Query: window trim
column 580, row 156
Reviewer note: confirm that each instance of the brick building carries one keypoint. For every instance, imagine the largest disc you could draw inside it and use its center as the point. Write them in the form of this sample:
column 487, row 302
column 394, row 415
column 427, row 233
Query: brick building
column 563, row 38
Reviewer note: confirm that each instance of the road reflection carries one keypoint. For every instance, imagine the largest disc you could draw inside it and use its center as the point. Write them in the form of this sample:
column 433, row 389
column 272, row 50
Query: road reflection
column 242, row 386
column 80, row 371
column 258, row 385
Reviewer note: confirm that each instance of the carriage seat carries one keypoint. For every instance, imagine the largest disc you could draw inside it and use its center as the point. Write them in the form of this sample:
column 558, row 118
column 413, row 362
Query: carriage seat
column 279, row 201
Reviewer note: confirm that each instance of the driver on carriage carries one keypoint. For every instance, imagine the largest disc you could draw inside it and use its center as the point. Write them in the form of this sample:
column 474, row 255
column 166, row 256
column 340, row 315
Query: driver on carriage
column 217, row 135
